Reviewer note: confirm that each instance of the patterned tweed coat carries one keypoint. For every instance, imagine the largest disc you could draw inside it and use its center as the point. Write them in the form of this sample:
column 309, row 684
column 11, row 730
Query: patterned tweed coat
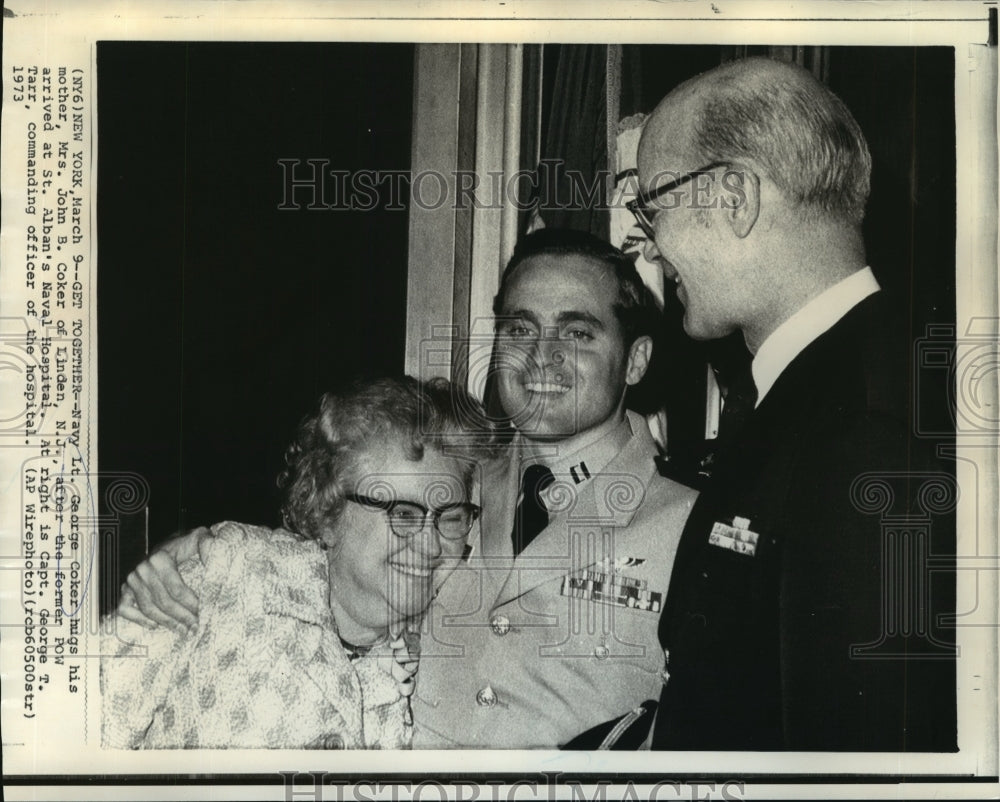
column 264, row 668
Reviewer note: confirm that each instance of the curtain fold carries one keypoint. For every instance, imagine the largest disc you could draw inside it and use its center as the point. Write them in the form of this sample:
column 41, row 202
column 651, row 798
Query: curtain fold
column 570, row 177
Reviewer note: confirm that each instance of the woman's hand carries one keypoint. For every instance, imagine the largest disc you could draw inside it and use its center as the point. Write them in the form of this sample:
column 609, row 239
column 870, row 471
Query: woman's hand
column 154, row 593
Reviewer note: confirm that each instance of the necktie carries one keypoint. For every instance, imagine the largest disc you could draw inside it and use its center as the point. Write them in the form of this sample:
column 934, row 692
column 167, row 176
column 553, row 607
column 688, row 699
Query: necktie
column 741, row 397
column 531, row 517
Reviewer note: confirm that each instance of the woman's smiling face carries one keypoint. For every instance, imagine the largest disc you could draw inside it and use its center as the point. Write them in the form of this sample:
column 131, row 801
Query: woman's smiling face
column 379, row 579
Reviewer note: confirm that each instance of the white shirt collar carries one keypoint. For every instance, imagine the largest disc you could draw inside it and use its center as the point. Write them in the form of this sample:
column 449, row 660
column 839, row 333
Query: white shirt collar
column 791, row 338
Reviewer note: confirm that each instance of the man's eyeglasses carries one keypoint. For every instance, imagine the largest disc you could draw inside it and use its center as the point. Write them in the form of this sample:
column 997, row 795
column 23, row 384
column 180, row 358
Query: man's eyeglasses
column 641, row 205
column 407, row 518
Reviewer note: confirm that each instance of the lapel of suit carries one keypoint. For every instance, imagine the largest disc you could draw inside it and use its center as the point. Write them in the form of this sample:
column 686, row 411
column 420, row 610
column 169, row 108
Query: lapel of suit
column 608, row 502
column 752, row 475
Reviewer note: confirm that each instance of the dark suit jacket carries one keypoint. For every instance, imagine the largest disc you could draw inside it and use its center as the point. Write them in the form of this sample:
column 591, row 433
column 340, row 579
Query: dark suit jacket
column 827, row 636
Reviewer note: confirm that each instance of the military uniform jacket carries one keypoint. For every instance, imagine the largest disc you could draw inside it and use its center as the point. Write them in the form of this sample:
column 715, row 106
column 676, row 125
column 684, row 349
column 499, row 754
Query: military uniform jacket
column 530, row 651
column 803, row 612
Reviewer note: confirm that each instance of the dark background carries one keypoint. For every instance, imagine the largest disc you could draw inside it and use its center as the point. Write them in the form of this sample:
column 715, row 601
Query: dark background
column 221, row 320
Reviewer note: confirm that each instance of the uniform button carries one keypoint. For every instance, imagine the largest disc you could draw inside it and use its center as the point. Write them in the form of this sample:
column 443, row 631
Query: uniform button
column 486, row 697
column 500, row 624
column 601, row 652
column 696, row 619
column 333, row 742
column 665, row 676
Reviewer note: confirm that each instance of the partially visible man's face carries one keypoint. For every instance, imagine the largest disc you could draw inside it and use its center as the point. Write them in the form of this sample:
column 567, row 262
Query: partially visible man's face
column 688, row 236
column 563, row 363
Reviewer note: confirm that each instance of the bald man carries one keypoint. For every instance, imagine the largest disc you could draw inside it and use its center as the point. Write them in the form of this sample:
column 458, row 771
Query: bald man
column 784, row 625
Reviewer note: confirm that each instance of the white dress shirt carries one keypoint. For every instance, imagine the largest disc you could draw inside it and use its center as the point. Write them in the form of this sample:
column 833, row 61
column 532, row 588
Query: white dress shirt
column 791, row 338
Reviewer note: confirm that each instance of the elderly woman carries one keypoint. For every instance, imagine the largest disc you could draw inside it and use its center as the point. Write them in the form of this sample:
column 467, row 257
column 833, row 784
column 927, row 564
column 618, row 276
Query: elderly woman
column 301, row 640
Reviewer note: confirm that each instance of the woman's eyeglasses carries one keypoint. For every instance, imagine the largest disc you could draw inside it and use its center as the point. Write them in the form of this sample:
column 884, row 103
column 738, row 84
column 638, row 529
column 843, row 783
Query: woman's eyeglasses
column 407, row 518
